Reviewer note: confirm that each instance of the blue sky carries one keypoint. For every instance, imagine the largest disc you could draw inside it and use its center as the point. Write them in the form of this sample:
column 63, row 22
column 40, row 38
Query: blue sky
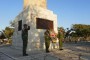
column 68, row 11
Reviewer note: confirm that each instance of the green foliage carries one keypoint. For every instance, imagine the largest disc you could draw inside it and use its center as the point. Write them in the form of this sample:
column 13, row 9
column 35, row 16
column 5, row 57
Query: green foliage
column 12, row 23
column 61, row 28
column 2, row 36
column 81, row 30
column 8, row 32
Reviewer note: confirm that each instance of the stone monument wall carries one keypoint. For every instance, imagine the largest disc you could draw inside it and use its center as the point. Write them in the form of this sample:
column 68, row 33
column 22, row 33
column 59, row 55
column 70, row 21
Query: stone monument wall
column 35, row 36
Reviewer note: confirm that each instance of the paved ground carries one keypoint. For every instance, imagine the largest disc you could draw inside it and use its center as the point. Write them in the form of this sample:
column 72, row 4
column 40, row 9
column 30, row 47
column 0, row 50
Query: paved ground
column 81, row 48
column 72, row 51
column 4, row 57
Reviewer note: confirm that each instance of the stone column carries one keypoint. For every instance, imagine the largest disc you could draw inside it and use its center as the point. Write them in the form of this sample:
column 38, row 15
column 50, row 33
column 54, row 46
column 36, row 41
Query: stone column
column 39, row 3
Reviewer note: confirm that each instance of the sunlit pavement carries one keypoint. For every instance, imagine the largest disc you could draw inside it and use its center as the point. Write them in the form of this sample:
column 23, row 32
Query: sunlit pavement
column 72, row 51
column 75, row 51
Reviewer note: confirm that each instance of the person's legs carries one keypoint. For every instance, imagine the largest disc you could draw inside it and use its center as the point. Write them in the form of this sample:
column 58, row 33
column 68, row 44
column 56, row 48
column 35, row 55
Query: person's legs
column 24, row 48
column 60, row 44
column 47, row 44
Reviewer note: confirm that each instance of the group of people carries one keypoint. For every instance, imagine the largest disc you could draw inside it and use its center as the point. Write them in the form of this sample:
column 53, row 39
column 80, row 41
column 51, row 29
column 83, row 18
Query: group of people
column 50, row 36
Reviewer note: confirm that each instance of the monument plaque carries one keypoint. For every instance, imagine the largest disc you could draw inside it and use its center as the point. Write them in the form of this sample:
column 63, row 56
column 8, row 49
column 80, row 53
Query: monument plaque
column 44, row 24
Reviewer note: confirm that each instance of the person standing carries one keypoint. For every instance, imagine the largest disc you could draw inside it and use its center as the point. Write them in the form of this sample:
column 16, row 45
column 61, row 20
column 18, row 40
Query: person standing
column 60, row 38
column 25, row 38
column 53, row 37
column 47, row 40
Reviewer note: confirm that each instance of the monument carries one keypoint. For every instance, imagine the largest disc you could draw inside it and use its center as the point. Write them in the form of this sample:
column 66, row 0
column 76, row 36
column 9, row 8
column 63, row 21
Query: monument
column 39, row 3
column 39, row 18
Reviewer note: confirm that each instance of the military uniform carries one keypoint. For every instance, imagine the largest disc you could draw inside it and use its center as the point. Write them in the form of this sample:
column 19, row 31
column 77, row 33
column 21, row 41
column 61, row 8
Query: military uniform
column 47, row 40
column 25, row 39
column 60, row 38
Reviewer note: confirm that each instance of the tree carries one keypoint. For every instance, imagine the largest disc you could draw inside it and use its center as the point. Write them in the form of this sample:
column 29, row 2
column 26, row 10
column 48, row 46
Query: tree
column 82, row 30
column 8, row 32
column 12, row 23
column 2, row 36
column 61, row 28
